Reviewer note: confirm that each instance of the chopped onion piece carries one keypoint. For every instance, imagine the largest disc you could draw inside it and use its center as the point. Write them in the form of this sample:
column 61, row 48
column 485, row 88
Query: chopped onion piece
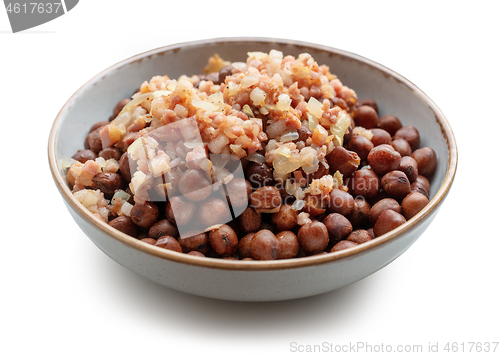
column 276, row 128
column 303, row 218
column 340, row 127
column 313, row 121
column 289, row 136
column 159, row 93
column 258, row 97
column 126, row 207
column 137, row 99
column 217, row 99
column 315, row 107
column 283, row 103
column 120, row 194
column 298, row 204
column 67, row 162
column 133, row 149
column 248, row 81
column 205, row 105
column 233, row 89
column 193, row 144
column 240, row 152
column 218, row 143
column 285, row 162
column 138, row 178
column 257, row 55
column 88, row 197
column 248, row 111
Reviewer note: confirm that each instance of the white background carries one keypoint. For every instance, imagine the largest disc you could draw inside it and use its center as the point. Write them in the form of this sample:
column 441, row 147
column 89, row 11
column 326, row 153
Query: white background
column 62, row 296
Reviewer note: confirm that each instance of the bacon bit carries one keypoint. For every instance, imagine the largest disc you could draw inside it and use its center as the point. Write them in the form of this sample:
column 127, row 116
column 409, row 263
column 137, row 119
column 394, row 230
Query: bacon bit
column 138, row 124
column 77, row 187
column 105, row 138
column 319, row 135
column 71, row 176
column 174, row 100
column 292, row 121
column 127, row 140
column 89, row 170
column 238, row 130
column 299, row 178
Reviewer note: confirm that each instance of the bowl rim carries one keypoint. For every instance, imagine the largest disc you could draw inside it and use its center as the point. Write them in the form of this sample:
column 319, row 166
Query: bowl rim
column 314, row 260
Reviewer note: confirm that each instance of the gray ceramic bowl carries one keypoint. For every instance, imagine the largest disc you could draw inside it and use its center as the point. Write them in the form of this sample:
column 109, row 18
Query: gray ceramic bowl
column 249, row 280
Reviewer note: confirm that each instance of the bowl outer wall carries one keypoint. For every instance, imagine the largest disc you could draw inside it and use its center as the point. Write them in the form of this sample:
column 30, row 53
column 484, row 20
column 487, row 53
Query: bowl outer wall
column 248, row 285
column 395, row 95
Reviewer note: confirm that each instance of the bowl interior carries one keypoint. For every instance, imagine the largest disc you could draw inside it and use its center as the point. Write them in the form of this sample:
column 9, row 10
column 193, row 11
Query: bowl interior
column 394, row 94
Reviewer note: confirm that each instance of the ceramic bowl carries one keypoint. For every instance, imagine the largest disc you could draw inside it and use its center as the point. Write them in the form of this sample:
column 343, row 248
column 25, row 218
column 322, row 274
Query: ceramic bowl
column 251, row 280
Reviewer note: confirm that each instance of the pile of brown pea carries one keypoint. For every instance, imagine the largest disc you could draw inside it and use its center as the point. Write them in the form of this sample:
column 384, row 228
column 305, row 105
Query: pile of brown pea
column 386, row 172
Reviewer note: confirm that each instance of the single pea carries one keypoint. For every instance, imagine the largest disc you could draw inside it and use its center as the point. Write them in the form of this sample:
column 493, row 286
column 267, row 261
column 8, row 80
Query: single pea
column 340, row 202
column 285, row 218
column 387, row 221
column 84, row 155
column 390, row 123
column 194, row 185
column 110, row 153
column 384, row 158
column 161, row 228
column 343, row 245
column 342, row 160
column 426, row 159
column 180, row 210
column 366, row 117
column 364, row 183
column 380, row 137
column 223, row 240
column 214, row 211
column 361, row 145
column 359, row 236
column 412, row 204
column 169, row 243
column 108, row 183
column 368, row 102
column 410, row 134
column 264, row 246
column 339, row 227
column 288, row 244
column 409, row 167
column 194, row 241
column 396, row 184
column 259, row 174
column 144, row 215
column 124, row 224
column 381, row 206
column 266, row 199
column 250, row 220
column 313, row 237
column 402, row 146
column 244, row 250
column 359, row 216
